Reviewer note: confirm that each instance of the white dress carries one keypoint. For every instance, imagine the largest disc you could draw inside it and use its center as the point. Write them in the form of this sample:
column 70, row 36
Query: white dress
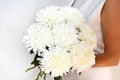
column 15, row 18
column 91, row 10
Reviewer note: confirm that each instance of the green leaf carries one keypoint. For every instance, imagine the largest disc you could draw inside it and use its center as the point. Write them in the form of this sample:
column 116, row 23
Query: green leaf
column 47, row 48
column 35, row 61
column 80, row 73
column 58, row 78
column 31, row 51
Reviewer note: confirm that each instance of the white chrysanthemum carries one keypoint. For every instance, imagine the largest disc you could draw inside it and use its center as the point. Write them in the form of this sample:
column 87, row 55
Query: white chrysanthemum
column 87, row 35
column 38, row 37
column 64, row 27
column 72, row 15
column 57, row 61
column 64, row 34
column 82, row 57
column 84, row 62
column 52, row 15
column 49, row 16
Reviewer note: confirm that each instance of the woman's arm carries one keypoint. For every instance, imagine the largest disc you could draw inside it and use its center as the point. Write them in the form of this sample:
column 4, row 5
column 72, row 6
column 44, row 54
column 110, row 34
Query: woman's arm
column 110, row 22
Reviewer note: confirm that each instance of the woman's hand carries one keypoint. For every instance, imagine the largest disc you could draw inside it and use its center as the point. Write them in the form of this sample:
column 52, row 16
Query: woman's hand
column 110, row 22
column 103, row 60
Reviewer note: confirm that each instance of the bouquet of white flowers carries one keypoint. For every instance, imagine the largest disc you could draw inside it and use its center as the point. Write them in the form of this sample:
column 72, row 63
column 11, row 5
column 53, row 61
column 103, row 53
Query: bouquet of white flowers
column 61, row 41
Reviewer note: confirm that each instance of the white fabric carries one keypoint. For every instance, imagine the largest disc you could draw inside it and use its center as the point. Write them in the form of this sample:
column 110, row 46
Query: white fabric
column 15, row 18
column 91, row 10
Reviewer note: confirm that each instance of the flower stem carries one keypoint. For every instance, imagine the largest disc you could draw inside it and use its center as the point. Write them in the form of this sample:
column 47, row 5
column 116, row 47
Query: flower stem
column 44, row 76
column 38, row 76
column 28, row 69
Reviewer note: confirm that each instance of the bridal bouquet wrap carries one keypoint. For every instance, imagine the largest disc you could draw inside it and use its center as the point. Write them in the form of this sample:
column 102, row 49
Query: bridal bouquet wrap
column 61, row 41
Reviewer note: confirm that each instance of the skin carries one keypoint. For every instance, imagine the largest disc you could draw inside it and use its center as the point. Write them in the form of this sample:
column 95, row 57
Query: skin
column 110, row 24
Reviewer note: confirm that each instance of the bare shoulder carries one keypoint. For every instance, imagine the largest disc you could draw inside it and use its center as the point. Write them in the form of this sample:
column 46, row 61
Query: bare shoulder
column 113, row 5
column 110, row 22
column 111, row 11
column 111, row 15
